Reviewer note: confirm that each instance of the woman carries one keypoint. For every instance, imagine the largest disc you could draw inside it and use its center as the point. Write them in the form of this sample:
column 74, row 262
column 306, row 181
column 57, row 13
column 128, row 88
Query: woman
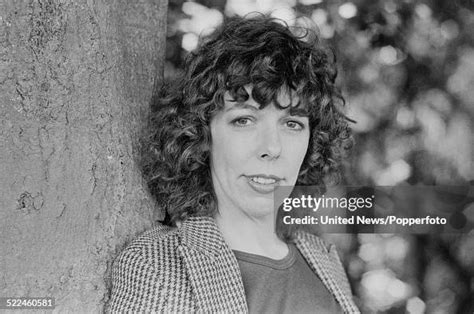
column 256, row 109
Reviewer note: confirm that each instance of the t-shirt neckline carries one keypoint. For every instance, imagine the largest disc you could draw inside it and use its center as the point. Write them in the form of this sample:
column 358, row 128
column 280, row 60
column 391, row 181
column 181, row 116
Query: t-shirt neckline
column 284, row 263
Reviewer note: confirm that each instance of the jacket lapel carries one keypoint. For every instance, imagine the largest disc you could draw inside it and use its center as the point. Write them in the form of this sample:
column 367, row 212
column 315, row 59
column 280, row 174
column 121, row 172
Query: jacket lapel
column 326, row 264
column 212, row 267
column 215, row 276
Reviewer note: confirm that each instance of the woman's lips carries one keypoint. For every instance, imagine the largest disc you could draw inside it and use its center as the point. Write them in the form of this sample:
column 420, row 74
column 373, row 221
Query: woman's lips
column 263, row 183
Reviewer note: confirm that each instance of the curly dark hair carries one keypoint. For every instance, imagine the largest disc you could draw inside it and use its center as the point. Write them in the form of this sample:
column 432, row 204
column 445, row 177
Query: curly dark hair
column 263, row 52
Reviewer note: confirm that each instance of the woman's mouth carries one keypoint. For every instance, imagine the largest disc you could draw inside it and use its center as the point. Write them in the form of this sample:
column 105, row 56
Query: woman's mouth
column 263, row 183
column 263, row 180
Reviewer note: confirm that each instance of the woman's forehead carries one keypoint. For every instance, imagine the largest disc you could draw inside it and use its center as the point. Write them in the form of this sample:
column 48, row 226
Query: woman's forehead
column 286, row 98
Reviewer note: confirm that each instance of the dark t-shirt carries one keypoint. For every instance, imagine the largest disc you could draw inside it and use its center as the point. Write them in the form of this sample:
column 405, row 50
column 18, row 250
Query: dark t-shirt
column 283, row 286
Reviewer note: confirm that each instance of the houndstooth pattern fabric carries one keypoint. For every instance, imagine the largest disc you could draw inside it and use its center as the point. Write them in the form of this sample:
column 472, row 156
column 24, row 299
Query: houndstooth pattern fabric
column 192, row 269
column 148, row 276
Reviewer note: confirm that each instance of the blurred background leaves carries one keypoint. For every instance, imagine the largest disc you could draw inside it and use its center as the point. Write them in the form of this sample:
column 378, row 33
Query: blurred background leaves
column 406, row 69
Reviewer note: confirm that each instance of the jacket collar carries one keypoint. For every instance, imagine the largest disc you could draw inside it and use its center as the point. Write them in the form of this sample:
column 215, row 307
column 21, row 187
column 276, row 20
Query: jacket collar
column 202, row 234
column 215, row 270
column 212, row 268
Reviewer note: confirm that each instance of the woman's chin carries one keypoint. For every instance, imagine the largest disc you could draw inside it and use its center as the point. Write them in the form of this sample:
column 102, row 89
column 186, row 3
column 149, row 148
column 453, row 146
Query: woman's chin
column 261, row 208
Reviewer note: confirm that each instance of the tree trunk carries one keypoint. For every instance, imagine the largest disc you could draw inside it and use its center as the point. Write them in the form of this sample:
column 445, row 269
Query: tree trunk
column 76, row 78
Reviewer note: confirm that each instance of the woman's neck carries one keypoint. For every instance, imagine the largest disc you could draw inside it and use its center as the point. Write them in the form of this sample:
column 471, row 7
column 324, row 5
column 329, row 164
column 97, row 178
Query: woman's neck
column 251, row 235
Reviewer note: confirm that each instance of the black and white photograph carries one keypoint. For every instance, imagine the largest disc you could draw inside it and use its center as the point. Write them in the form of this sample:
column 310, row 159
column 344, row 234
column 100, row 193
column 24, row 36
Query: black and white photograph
column 237, row 156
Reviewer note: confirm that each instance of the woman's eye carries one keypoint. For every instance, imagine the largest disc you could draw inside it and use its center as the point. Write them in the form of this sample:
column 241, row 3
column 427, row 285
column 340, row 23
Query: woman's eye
column 294, row 125
column 242, row 121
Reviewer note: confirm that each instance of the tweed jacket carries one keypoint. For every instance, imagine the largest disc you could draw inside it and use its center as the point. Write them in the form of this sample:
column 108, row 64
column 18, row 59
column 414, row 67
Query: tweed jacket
column 192, row 269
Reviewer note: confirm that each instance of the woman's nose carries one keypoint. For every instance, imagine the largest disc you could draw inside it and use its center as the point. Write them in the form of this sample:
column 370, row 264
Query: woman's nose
column 270, row 144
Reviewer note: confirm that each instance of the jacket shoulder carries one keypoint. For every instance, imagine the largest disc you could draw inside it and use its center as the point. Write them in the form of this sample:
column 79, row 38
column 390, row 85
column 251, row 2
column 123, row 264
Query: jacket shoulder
column 149, row 275
column 148, row 242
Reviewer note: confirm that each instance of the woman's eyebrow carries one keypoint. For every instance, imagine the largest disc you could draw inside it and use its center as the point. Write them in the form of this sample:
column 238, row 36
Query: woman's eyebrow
column 301, row 112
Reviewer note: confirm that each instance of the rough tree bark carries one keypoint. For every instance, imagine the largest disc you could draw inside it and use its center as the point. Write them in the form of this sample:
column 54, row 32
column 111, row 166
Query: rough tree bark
column 76, row 78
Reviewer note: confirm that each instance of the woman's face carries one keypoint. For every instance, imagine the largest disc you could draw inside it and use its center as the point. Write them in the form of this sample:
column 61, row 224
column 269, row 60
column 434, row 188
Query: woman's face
column 253, row 151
